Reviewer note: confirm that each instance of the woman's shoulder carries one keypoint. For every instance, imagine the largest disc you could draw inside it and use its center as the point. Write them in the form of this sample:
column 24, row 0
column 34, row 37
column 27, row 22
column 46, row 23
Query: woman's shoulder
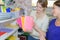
column 52, row 21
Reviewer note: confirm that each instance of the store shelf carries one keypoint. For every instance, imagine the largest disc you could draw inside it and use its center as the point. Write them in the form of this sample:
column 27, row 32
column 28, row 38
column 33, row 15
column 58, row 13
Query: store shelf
column 8, row 20
column 1, row 4
column 8, row 34
column 3, row 37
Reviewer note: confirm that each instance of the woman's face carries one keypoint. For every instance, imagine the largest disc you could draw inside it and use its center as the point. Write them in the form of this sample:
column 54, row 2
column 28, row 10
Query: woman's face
column 39, row 8
column 56, row 11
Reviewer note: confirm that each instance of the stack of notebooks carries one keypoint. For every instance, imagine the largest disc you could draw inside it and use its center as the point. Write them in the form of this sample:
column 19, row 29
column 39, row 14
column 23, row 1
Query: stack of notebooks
column 4, row 30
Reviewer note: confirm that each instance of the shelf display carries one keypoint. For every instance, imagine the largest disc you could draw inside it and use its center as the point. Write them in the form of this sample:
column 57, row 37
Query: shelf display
column 25, row 4
column 9, row 33
column 9, row 12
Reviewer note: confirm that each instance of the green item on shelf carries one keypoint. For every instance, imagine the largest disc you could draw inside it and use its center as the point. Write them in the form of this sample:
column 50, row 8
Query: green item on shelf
column 26, row 33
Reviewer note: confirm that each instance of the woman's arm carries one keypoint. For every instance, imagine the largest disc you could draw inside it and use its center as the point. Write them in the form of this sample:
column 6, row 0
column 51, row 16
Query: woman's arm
column 44, row 27
column 39, row 30
column 42, row 33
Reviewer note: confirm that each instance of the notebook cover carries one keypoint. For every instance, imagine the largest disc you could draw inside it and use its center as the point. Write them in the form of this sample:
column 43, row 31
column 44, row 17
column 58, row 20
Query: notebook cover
column 28, row 23
column 23, row 20
column 5, row 30
column 19, row 22
column 1, row 33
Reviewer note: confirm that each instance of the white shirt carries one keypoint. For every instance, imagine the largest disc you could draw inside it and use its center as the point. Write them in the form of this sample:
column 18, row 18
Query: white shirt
column 41, row 23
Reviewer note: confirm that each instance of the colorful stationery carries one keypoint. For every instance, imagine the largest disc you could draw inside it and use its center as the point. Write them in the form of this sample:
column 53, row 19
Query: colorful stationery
column 4, row 9
column 1, row 33
column 23, row 20
column 26, row 23
column 5, row 30
column 8, row 9
column 19, row 22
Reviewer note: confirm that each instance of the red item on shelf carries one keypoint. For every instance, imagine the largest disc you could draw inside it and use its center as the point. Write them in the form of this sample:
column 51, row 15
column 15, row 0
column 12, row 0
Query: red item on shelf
column 22, row 38
column 1, row 33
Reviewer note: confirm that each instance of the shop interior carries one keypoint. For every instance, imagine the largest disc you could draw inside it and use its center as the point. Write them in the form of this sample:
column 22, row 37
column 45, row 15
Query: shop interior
column 10, row 10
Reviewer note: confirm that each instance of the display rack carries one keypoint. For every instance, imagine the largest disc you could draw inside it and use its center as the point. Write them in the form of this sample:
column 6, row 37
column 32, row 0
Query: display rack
column 8, row 20
column 14, row 30
column 3, row 37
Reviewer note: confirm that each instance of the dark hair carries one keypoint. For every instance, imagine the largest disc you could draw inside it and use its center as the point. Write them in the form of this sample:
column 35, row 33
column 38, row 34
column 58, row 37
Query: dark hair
column 57, row 3
column 43, row 3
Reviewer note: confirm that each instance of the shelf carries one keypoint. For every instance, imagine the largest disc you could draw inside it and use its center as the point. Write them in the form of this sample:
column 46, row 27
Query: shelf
column 3, row 37
column 8, row 20
column 1, row 4
column 14, row 30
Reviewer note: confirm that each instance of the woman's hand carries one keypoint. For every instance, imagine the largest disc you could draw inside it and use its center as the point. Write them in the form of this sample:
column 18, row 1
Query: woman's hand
column 41, row 33
column 42, row 37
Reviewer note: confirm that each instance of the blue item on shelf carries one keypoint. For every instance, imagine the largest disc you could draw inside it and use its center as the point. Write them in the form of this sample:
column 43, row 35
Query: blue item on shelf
column 8, row 10
column 5, row 29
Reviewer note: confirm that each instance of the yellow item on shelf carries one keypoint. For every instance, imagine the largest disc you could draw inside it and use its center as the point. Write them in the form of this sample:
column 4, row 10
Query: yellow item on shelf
column 17, row 9
column 11, row 25
column 12, row 38
column 4, row 9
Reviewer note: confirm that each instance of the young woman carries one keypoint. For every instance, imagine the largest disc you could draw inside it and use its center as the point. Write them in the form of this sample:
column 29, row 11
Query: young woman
column 53, row 32
column 41, row 21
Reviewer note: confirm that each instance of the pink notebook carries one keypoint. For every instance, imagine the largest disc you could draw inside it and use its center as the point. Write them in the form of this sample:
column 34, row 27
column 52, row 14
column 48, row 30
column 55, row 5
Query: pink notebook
column 28, row 24
column 19, row 22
